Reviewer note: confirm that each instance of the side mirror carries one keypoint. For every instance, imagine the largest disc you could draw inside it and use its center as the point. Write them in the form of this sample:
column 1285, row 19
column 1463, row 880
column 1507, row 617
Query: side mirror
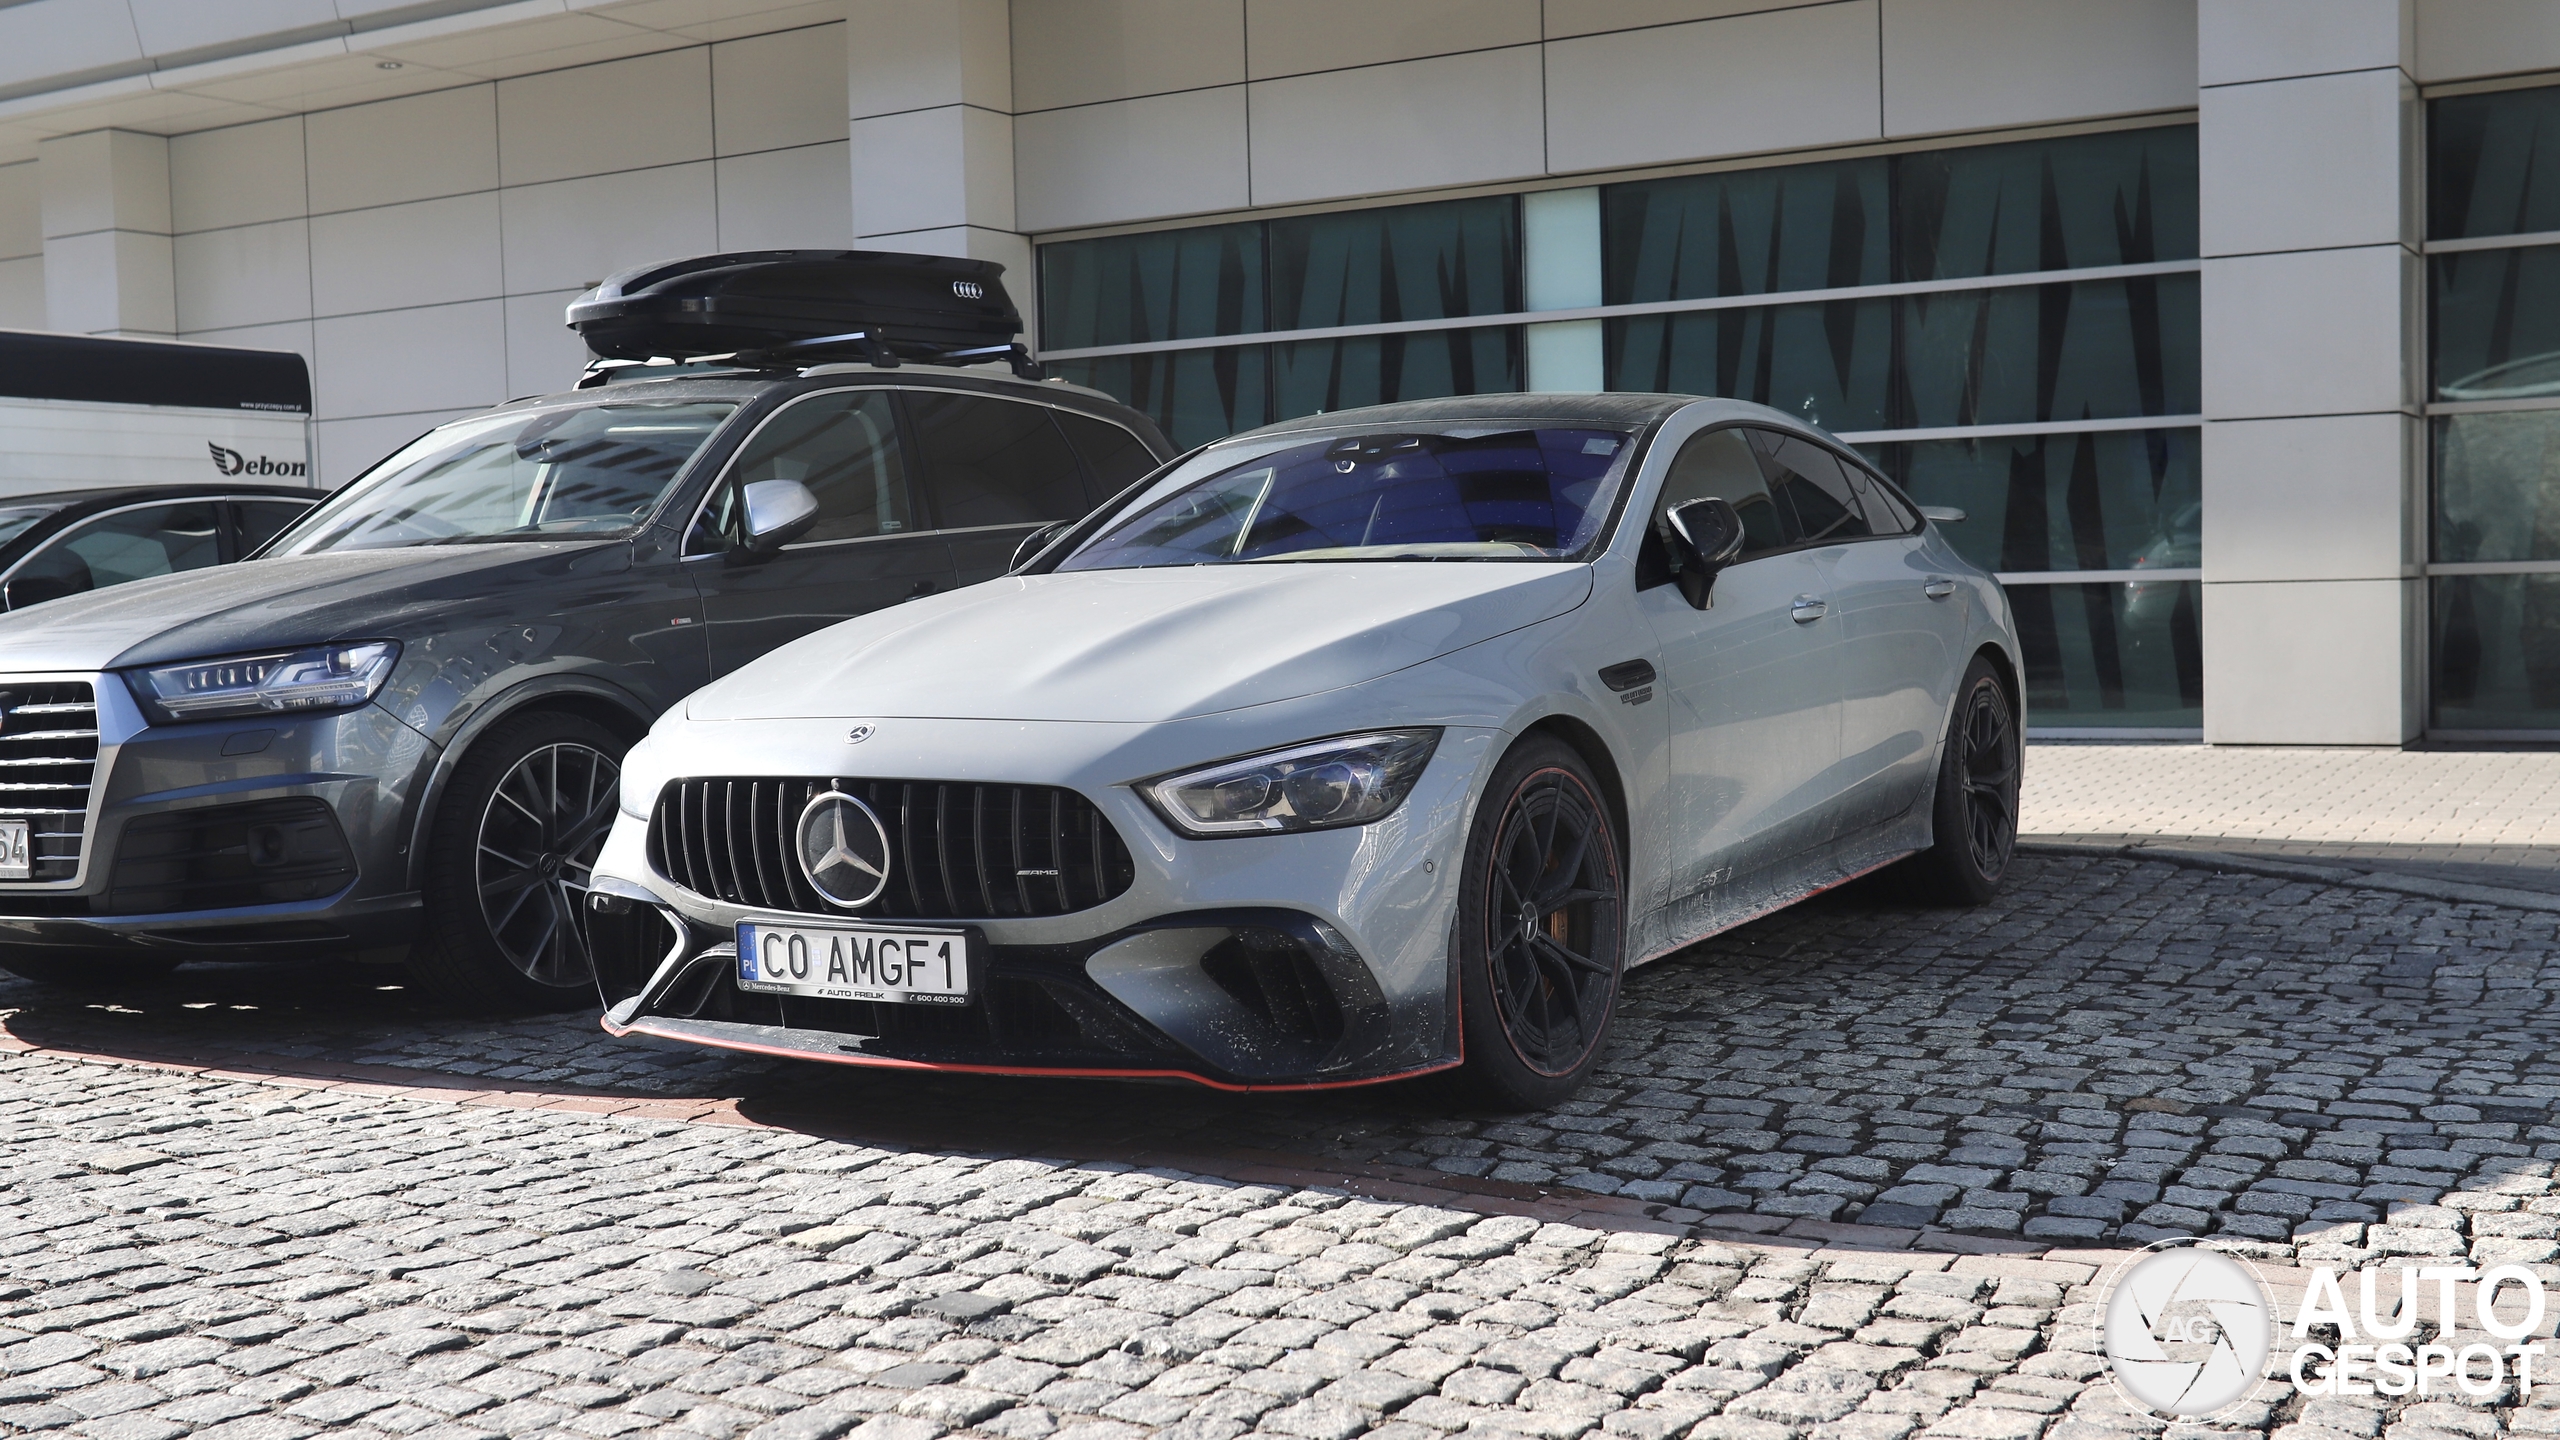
column 1942, row 514
column 29, row 590
column 776, row 512
column 1037, row 541
column 1708, row 534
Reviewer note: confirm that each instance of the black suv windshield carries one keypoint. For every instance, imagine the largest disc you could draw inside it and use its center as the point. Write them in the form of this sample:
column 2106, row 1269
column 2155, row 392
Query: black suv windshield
column 1510, row 494
column 585, row 471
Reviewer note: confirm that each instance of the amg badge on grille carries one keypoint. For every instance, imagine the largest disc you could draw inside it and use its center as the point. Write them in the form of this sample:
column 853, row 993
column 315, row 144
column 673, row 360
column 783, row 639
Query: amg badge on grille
column 844, row 850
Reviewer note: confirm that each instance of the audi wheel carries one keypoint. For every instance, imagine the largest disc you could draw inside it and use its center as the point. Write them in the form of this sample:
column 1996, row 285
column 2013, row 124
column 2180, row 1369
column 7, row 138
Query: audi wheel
column 509, row 862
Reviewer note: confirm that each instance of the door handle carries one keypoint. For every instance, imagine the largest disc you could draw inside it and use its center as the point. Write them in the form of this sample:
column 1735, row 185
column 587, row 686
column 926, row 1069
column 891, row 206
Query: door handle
column 1939, row 587
column 1809, row 608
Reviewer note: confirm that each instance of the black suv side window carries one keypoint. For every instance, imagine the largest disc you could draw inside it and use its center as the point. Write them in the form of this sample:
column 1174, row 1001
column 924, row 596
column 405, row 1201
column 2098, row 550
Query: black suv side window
column 1115, row 458
column 843, row 445
column 1718, row 463
column 1812, row 483
column 131, row 545
column 995, row 462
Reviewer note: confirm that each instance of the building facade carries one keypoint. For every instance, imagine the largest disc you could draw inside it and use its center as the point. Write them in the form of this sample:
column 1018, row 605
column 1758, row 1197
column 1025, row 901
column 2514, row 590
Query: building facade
column 2233, row 325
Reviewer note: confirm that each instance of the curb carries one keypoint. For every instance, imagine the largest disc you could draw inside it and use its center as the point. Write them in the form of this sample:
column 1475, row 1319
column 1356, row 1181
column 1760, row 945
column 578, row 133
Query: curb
column 2453, row 891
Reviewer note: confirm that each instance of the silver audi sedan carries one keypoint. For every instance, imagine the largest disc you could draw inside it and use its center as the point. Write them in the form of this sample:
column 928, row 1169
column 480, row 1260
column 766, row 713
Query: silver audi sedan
column 1343, row 750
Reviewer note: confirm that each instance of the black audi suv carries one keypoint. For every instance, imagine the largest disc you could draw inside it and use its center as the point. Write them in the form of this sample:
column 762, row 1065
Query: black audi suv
column 399, row 727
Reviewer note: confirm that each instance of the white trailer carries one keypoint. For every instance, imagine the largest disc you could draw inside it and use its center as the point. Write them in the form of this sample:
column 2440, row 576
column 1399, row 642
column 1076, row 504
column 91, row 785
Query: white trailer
column 84, row 412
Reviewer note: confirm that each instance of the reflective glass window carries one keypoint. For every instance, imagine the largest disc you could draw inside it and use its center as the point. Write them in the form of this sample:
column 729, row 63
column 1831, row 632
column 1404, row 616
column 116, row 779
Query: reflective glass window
column 1138, row 289
column 1747, row 232
column 2493, row 164
column 1812, row 484
column 2497, row 486
column 263, row 520
column 1827, row 363
column 2123, row 198
column 2495, row 652
column 2115, row 500
column 130, row 545
column 1112, row 456
column 1312, row 376
column 2095, row 349
column 1719, row 463
column 2496, row 322
column 1194, row 396
column 2118, row 655
column 1404, row 262
column 844, row 447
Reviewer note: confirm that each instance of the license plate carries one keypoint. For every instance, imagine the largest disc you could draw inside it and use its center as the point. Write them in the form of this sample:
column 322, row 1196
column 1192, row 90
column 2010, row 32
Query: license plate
column 872, row 962
column 14, row 861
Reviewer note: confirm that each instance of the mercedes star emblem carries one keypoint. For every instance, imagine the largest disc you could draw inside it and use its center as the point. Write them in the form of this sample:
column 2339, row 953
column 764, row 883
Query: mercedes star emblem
column 860, row 733
column 844, row 850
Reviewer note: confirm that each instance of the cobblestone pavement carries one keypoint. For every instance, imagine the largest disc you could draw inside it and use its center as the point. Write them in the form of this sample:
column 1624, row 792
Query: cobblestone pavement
column 2491, row 817
column 2114, row 1051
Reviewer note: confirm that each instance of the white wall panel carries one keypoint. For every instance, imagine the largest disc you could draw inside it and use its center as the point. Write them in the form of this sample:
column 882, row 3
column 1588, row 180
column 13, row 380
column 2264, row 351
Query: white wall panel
column 1456, row 120
column 2312, row 333
column 1591, row 17
column 1974, row 64
column 1078, row 52
column 427, row 252
column 22, row 293
column 654, row 110
column 2465, row 39
column 2324, row 498
column 543, row 353
column 293, row 335
column 2302, row 164
column 21, row 210
column 787, row 199
column 1773, row 81
column 2243, row 40
column 1298, row 37
column 1131, row 159
column 239, row 175
column 413, row 148
column 925, row 169
column 398, row 361
column 243, row 275
column 64, row 37
column 167, row 26
column 2314, row 662
column 571, row 234
column 109, row 282
column 903, row 56
column 778, row 90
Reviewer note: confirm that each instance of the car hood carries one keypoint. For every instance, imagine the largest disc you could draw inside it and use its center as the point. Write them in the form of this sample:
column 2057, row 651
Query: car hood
column 1143, row 645
column 290, row 600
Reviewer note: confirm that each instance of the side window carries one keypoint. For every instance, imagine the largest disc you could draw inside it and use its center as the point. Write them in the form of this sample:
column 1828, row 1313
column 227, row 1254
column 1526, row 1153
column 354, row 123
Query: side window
column 1885, row 510
column 1717, row 463
column 262, row 520
column 1115, row 458
column 134, row 545
column 1812, row 483
column 995, row 462
column 842, row 445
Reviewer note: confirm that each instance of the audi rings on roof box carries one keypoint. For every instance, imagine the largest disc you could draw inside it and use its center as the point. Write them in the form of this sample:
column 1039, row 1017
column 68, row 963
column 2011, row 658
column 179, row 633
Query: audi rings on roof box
column 874, row 304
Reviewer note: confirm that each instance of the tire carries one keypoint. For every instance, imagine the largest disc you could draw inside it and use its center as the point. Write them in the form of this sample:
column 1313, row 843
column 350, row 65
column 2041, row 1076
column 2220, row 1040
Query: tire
column 1975, row 819
column 513, row 846
column 91, row 970
column 1538, row 981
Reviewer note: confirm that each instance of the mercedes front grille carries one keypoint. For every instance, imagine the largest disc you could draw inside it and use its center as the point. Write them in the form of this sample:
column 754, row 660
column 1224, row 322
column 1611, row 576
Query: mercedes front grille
column 957, row 851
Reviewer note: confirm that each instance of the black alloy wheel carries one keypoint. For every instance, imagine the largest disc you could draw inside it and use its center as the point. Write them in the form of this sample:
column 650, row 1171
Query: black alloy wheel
column 513, row 853
column 1542, row 914
column 540, row 835
column 1976, row 814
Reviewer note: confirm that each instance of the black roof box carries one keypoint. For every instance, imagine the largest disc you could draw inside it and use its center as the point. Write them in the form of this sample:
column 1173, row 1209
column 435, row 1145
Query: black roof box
column 804, row 305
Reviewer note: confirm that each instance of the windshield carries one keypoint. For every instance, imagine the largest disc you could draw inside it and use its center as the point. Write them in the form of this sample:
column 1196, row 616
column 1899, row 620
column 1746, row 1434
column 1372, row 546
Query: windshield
column 1522, row 494
column 586, row 471
column 14, row 519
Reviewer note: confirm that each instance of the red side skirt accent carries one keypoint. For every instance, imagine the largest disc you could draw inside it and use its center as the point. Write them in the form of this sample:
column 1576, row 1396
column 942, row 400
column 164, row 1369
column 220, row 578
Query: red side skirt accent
column 884, row 1062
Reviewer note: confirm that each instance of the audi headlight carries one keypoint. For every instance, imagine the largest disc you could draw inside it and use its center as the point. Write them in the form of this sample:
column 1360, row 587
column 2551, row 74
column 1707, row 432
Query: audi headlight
column 324, row 677
column 1348, row 780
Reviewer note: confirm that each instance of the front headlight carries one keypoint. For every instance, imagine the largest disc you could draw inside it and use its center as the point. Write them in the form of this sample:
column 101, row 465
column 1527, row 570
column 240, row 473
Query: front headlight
column 324, row 677
column 1348, row 780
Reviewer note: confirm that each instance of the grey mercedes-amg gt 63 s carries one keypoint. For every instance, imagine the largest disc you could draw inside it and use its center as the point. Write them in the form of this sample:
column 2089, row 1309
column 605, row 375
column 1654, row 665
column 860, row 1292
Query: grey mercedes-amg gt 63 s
column 1354, row 747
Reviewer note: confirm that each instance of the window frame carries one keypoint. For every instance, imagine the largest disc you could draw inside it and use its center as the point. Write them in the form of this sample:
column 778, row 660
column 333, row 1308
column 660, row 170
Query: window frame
column 225, row 541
